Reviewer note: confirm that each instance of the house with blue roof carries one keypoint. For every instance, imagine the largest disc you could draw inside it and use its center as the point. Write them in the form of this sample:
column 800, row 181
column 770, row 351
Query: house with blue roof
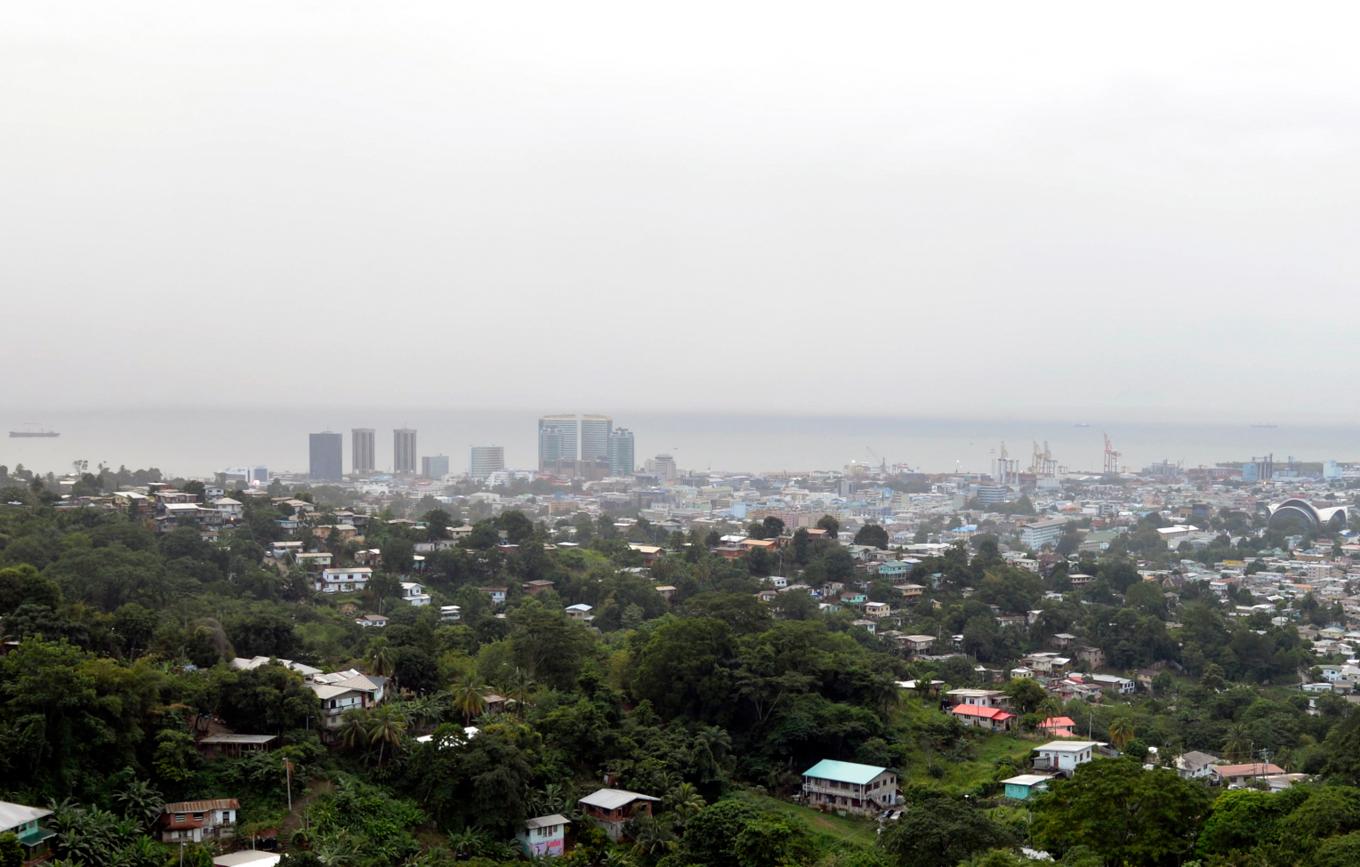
column 849, row 787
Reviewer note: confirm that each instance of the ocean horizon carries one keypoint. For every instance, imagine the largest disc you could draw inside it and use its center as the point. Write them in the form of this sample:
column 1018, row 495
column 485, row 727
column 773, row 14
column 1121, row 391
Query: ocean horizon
column 197, row 442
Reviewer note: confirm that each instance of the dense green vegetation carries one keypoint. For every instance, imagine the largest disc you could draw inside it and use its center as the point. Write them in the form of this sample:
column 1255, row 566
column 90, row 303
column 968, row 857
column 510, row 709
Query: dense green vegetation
column 712, row 701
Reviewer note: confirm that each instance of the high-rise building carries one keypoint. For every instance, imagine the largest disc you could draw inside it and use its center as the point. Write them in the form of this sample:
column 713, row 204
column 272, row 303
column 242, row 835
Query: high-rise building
column 557, row 439
column 326, row 460
column 259, row 474
column 404, row 451
column 621, row 452
column 486, row 460
column 595, row 437
column 434, row 466
column 663, row 467
column 363, row 450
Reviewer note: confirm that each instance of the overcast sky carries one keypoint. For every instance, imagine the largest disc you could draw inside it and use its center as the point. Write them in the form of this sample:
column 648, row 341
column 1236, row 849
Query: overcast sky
column 881, row 208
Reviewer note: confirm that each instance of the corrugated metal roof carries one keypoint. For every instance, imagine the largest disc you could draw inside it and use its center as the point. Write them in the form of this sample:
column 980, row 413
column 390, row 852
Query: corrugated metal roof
column 843, row 772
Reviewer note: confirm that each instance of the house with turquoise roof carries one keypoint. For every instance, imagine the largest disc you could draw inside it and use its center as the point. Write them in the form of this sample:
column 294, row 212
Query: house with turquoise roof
column 849, row 787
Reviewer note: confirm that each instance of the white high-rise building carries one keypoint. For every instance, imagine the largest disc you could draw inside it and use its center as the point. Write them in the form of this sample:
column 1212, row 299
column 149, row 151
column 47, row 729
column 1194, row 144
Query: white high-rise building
column 557, row 441
column 595, row 437
column 404, row 451
column 486, row 460
column 363, row 452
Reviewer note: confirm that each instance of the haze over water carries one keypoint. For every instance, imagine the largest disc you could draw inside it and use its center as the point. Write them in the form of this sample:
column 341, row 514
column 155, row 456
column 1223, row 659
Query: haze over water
column 199, row 442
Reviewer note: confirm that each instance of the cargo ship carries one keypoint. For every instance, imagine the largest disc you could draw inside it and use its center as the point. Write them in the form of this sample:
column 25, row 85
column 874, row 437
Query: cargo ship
column 33, row 431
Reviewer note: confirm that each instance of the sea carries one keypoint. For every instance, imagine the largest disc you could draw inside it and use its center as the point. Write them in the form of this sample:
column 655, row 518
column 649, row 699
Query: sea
column 197, row 442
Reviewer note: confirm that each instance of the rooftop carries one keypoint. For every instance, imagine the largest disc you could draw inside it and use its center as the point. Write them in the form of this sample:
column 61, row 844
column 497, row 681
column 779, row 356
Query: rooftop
column 612, row 799
column 843, row 772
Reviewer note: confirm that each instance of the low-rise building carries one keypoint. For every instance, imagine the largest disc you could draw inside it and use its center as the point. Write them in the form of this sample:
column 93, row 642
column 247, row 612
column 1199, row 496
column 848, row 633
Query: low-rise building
column 544, row 836
column 25, row 823
column 351, row 579
column 1064, row 757
column 1019, row 788
column 850, row 787
column 611, row 809
column 196, row 821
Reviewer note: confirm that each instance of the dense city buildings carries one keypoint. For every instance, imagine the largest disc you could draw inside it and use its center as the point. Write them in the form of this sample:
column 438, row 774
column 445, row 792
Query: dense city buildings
column 325, row 458
column 621, row 452
column 403, row 451
column 434, row 466
column 363, row 451
column 485, row 460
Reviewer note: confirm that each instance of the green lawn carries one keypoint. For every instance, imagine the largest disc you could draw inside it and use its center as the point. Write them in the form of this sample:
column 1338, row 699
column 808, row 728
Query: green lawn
column 841, row 829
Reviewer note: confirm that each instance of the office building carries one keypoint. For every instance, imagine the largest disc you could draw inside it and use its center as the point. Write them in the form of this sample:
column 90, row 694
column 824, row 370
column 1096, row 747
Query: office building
column 486, row 460
column 259, row 475
column 557, row 442
column 363, row 450
column 434, row 466
column 595, row 438
column 404, row 451
column 621, row 452
column 325, row 456
column 663, row 467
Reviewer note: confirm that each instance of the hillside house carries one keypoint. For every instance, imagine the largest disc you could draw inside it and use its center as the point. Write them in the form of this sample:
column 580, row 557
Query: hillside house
column 1019, row 788
column 25, row 823
column 849, row 787
column 352, row 579
column 611, row 809
column 1064, row 757
column 992, row 719
column 544, row 836
column 196, row 821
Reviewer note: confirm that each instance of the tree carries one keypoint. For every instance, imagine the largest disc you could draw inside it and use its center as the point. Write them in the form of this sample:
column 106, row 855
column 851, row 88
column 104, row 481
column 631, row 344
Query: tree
column 710, row 838
column 830, row 525
column 11, row 853
column 1122, row 813
column 872, row 534
column 469, row 697
column 1121, row 731
column 385, row 728
column 1026, row 694
column 940, row 831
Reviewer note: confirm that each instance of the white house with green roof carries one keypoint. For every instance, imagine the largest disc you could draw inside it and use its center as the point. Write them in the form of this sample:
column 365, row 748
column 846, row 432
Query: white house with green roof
column 848, row 787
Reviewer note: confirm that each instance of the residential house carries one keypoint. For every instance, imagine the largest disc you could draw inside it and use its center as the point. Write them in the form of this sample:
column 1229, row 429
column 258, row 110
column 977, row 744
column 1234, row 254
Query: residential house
column 537, row 586
column 580, row 612
column 344, row 580
column 877, row 610
column 1058, row 727
column 1237, row 776
column 196, row 821
column 611, row 809
column 414, row 594
column 25, row 823
column 849, row 787
column 870, row 625
column 247, row 858
column 979, row 697
column 497, row 594
column 1019, row 788
column 544, row 836
column 345, row 690
column 1195, row 765
column 990, row 718
column 917, row 644
column 450, row 613
column 371, row 621
column 234, row 745
column 1064, row 756
column 1111, row 683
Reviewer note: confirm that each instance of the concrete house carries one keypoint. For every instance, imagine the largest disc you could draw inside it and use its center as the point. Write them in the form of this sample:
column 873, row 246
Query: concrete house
column 24, row 822
column 544, row 836
column 849, row 787
column 1064, row 756
column 414, row 594
column 993, row 719
column 1020, row 788
column 612, row 808
column 196, row 821
column 347, row 580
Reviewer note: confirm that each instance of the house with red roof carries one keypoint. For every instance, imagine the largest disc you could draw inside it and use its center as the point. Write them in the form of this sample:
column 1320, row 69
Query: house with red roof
column 1058, row 727
column 990, row 718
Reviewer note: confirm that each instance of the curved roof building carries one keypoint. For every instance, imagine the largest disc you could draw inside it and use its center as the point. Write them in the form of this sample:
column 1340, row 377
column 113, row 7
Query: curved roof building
column 1300, row 516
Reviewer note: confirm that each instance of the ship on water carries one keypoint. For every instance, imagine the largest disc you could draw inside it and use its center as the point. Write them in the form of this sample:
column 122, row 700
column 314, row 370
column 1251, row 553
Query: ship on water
column 33, row 430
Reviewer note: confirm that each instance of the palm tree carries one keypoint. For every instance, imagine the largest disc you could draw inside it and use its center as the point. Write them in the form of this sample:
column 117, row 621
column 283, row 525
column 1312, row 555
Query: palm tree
column 140, row 801
column 520, row 688
column 386, row 725
column 381, row 659
column 468, row 697
column 710, row 748
column 685, row 802
column 1121, row 732
column 552, row 798
column 1238, row 744
column 353, row 729
column 652, row 837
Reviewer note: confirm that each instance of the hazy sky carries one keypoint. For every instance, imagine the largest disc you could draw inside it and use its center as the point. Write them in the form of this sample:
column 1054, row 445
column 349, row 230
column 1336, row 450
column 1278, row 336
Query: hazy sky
column 874, row 207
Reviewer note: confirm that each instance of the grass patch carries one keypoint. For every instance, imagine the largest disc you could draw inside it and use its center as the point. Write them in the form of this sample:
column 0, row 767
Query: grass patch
column 832, row 828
